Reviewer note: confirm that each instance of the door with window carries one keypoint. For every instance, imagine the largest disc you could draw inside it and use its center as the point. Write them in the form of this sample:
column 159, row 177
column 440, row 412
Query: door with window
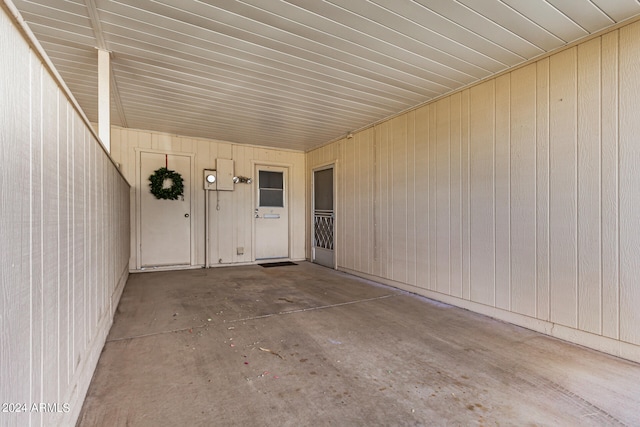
column 271, row 213
column 323, row 218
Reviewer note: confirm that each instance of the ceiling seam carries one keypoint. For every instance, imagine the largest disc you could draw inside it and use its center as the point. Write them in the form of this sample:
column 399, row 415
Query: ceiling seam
column 540, row 26
column 602, row 11
column 507, row 29
column 568, row 17
column 470, row 31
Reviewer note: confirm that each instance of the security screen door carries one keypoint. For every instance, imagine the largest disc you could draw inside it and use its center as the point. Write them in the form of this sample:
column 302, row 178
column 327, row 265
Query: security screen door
column 323, row 218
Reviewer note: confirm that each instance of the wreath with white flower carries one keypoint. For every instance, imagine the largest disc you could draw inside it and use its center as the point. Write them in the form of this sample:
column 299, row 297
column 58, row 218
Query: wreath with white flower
column 158, row 188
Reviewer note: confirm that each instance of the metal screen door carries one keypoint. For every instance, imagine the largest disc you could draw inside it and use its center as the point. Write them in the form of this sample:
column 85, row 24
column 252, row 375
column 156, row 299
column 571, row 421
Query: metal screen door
column 323, row 218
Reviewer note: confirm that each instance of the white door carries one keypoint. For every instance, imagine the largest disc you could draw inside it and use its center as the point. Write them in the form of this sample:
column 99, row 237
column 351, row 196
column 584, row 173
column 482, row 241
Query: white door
column 165, row 225
column 323, row 218
column 271, row 213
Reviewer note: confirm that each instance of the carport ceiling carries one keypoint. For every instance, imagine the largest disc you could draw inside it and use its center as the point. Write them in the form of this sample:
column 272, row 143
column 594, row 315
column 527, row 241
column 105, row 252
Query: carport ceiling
column 295, row 73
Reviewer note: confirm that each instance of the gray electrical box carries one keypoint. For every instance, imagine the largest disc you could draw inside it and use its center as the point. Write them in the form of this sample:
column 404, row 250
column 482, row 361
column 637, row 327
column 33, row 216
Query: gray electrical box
column 224, row 172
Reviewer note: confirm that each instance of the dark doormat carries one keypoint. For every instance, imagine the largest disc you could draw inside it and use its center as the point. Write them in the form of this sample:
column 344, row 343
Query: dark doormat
column 277, row 264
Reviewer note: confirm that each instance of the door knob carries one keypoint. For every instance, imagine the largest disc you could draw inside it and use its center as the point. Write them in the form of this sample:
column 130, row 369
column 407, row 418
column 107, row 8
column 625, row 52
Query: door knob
column 186, row 215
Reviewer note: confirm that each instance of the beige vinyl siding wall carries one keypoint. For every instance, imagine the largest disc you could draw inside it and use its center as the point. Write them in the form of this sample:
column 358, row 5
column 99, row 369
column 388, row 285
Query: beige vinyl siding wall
column 517, row 197
column 64, row 247
column 232, row 225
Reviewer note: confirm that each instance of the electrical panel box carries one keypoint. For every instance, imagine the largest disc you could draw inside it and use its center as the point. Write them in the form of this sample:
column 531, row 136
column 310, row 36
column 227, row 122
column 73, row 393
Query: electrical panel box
column 210, row 179
column 224, row 178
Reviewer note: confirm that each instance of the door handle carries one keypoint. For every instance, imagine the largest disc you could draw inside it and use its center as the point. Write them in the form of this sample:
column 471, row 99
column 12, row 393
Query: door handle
column 186, row 215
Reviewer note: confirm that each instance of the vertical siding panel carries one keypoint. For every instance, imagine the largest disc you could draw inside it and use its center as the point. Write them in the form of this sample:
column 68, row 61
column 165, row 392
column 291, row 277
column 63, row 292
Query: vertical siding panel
column 503, row 192
column 422, row 197
column 481, row 145
column 65, row 243
column 385, row 240
column 143, row 139
column 399, row 198
column 14, row 220
column 227, row 220
column 356, row 197
column 361, row 213
column 214, row 215
column 443, row 202
column 589, row 244
column 92, row 175
column 73, row 249
column 249, row 194
column 542, row 190
column 466, row 198
column 629, row 183
column 203, row 162
column 433, row 191
column 456, row 196
column 377, row 184
column 610, row 280
column 238, row 229
column 367, row 209
column 523, row 190
column 199, row 165
column 246, row 205
column 79, row 244
column 411, row 198
column 186, row 145
column 350, row 202
column 342, row 198
column 298, row 208
column 37, row 215
column 353, row 182
column 51, row 233
column 563, row 175
column 133, row 163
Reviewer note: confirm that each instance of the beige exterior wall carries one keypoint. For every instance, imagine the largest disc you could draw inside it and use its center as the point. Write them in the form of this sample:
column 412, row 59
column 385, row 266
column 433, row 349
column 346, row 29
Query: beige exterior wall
column 64, row 245
column 231, row 226
column 517, row 197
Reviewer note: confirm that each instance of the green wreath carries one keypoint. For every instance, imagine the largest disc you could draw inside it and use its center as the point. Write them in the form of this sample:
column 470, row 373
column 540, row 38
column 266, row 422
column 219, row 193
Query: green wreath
column 157, row 184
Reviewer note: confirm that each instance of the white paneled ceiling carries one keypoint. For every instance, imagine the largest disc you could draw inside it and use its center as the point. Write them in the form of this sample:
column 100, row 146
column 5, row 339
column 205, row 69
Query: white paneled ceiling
column 295, row 73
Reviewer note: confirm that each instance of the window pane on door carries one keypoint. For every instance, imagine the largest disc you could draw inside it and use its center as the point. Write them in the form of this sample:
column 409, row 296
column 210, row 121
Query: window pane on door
column 271, row 189
column 323, row 190
column 270, row 179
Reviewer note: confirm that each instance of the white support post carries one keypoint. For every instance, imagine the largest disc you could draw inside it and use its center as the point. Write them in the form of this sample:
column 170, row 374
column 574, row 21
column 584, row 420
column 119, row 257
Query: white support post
column 104, row 110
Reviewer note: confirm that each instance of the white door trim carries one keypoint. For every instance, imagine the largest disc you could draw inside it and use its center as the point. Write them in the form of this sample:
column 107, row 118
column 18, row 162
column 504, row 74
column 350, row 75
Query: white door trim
column 142, row 185
column 289, row 167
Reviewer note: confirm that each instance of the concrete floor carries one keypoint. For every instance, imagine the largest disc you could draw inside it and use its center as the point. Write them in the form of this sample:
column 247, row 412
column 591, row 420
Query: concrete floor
column 304, row 345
